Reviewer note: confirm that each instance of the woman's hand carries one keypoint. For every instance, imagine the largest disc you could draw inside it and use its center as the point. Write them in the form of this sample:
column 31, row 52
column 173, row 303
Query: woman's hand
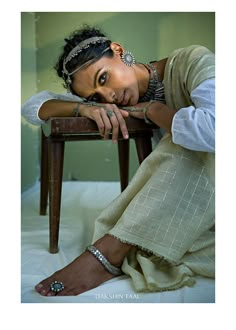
column 155, row 112
column 108, row 119
column 139, row 110
column 139, row 113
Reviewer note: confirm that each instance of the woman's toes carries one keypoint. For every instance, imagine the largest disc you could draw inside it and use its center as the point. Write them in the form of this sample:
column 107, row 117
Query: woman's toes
column 51, row 294
column 39, row 287
column 42, row 289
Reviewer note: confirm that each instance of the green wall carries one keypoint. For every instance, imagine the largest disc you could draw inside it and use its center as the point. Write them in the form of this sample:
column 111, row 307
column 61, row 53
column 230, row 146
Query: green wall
column 29, row 133
column 149, row 35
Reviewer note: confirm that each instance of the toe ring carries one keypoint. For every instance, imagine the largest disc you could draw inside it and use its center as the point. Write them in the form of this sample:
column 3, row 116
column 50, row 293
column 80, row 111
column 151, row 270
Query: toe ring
column 56, row 286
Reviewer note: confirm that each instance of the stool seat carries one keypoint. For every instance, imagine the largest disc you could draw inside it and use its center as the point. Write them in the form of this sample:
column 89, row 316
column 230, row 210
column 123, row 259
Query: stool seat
column 55, row 132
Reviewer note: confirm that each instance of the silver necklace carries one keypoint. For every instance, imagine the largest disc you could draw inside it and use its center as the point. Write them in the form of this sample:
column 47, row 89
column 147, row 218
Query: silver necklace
column 155, row 90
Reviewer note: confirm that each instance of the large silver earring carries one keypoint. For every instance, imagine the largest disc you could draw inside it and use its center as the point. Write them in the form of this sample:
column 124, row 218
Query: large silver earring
column 128, row 58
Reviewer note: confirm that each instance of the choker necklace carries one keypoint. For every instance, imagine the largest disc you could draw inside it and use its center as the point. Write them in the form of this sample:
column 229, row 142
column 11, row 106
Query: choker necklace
column 155, row 90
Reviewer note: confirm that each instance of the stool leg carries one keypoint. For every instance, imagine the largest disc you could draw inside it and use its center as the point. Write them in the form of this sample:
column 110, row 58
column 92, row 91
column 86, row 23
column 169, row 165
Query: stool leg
column 143, row 146
column 123, row 152
column 56, row 158
column 44, row 175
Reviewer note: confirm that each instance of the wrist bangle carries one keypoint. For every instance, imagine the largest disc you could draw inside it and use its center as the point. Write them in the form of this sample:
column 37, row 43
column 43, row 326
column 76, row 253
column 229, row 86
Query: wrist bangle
column 76, row 110
column 89, row 104
column 144, row 110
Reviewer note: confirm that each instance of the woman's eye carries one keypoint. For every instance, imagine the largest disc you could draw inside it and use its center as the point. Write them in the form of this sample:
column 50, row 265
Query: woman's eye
column 102, row 79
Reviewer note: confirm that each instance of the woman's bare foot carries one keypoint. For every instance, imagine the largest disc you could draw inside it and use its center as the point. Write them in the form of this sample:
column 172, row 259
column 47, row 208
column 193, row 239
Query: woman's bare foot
column 86, row 272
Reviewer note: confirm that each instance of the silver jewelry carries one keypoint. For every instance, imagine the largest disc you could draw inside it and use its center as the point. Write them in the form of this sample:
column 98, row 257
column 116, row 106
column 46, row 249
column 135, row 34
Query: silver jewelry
column 100, row 257
column 56, row 286
column 155, row 89
column 76, row 110
column 143, row 109
column 83, row 45
column 110, row 113
column 78, row 49
column 128, row 58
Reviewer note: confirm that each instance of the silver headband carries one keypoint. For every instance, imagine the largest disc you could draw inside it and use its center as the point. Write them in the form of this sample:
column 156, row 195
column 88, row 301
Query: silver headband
column 78, row 49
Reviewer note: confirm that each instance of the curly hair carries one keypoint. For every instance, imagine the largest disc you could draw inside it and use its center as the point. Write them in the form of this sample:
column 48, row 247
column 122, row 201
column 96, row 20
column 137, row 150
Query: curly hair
column 92, row 52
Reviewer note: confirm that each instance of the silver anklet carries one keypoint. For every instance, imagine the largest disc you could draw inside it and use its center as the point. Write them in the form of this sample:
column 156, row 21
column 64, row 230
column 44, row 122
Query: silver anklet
column 100, row 257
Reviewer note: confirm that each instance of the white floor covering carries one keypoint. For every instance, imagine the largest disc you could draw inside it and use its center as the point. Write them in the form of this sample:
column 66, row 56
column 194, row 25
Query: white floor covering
column 82, row 202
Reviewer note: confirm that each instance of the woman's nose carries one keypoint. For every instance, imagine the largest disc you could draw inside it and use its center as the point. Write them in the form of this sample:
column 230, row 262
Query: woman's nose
column 108, row 95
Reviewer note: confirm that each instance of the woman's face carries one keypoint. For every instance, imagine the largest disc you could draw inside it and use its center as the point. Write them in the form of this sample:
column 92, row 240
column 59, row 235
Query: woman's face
column 108, row 80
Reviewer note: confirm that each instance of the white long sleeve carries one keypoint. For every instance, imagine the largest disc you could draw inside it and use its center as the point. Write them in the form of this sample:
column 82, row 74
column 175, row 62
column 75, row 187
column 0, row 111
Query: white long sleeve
column 193, row 127
column 30, row 108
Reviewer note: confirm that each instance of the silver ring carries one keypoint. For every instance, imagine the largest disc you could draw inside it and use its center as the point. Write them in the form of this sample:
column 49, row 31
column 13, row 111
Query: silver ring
column 110, row 113
column 56, row 286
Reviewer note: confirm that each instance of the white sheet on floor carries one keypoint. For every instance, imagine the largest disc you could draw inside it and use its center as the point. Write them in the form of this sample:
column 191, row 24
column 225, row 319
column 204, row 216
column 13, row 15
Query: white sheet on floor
column 82, row 202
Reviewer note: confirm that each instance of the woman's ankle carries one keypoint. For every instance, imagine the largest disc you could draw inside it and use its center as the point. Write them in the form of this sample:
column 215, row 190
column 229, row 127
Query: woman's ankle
column 113, row 249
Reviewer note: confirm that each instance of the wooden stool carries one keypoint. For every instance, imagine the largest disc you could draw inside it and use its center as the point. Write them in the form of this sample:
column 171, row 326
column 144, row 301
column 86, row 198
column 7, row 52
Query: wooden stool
column 54, row 135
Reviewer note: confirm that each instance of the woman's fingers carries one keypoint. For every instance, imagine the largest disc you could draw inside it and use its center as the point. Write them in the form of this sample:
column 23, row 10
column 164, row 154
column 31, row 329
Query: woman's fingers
column 124, row 113
column 107, row 123
column 122, row 123
column 104, row 123
column 96, row 116
column 115, row 124
column 109, row 119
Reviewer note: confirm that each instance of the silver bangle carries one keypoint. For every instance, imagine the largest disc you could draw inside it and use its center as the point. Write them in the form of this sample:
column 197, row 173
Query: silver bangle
column 76, row 110
column 100, row 257
column 144, row 109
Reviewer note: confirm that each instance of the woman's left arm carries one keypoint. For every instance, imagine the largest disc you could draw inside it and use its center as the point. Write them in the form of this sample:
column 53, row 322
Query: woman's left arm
column 192, row 127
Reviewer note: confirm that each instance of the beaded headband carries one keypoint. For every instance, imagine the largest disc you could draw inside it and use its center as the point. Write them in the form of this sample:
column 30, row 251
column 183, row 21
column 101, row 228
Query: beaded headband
column 78, row 49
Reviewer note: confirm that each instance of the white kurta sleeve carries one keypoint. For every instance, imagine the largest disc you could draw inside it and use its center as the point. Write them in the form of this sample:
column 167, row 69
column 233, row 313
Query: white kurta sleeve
column 193, row 127
column 30, row 108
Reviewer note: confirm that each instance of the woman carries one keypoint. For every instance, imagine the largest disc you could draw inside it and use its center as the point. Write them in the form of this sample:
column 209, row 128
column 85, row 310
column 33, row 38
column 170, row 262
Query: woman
column 159, row 230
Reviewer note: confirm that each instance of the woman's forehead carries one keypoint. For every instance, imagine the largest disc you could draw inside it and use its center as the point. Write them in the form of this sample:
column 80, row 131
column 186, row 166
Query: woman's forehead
column 98, row 65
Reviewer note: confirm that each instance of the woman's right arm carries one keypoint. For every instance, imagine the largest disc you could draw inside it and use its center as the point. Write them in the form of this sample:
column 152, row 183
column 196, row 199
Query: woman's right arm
column 45, row 105
column 39, row 107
